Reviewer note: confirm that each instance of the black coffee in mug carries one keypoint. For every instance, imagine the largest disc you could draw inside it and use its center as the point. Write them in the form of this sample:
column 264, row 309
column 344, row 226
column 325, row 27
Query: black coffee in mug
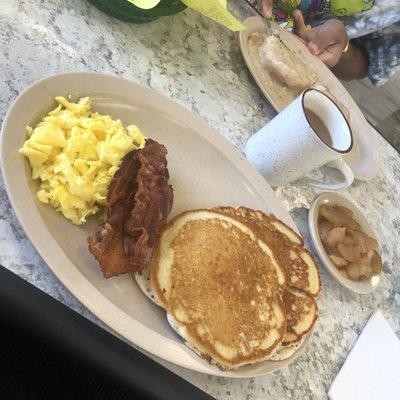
column 319, row 126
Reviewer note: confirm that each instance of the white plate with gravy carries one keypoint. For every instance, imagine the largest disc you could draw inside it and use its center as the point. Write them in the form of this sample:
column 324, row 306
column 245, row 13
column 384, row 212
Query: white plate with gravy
column 364, row 159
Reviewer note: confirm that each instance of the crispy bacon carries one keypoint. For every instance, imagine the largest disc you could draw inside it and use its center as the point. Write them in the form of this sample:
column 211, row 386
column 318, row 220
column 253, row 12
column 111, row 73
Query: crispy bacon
column 139, row 201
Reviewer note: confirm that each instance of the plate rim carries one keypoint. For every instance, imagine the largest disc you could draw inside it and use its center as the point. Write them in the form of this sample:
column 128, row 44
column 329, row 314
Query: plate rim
column 86, row 293
column 376, row 154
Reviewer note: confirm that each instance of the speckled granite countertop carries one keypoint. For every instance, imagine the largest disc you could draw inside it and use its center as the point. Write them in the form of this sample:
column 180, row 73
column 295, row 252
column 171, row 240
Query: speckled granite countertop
column 198, row 64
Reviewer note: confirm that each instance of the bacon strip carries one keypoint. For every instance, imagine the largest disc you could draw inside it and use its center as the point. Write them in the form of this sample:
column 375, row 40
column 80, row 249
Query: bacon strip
column 139, row 201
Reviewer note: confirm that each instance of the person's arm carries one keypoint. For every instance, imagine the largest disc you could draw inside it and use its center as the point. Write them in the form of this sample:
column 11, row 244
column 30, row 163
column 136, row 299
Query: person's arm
column 266, row 8
column 327, row 41
column 353, row 64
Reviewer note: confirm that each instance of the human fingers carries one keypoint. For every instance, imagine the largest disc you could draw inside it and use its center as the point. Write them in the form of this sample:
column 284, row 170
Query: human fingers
column 332, row 32
column 266, row 8
column 331, row 55
column 300, row 28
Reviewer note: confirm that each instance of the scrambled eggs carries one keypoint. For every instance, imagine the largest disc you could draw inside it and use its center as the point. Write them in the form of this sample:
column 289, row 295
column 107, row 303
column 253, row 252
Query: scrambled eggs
column 75, row 153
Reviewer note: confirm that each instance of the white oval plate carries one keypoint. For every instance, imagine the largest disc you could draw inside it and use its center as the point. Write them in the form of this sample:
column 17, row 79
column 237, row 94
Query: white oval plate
column 206, row 171
column 364, row 159
column 333, row 199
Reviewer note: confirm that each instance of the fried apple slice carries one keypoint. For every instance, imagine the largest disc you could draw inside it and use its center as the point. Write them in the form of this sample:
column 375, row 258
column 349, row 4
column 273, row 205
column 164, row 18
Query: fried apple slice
column 335, row 236
column 345, row 211
column 349, row 252
column 323, row 228
column 338, row 218
column 338, row 261
column 376, row 263
column 361, row 268
column 366, row 242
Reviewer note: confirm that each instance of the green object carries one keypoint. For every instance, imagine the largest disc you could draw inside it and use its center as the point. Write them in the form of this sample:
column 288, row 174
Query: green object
column 126, row 11
column 346, row 8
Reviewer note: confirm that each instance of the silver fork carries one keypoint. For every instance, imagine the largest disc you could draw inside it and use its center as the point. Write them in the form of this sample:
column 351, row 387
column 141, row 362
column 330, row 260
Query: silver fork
column 268, row 26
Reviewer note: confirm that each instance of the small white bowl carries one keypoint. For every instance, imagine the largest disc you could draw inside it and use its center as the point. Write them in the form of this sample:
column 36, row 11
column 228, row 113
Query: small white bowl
column 332, row 199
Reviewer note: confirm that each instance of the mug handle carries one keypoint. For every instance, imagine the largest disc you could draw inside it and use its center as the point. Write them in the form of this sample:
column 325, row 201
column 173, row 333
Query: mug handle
column 347, row 173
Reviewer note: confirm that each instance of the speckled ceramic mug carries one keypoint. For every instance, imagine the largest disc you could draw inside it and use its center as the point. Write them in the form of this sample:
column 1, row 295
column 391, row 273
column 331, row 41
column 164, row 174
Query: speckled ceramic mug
column 288, row 147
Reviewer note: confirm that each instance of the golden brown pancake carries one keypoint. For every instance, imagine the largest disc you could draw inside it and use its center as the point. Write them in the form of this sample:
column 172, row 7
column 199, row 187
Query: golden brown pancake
column 221, row 287
column 194, row 267
column 301, row 314
column 284, row 352
column 287, row 246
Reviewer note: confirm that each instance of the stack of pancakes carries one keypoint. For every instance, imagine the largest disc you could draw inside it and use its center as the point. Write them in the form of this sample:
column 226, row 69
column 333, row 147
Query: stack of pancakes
column 239, row 286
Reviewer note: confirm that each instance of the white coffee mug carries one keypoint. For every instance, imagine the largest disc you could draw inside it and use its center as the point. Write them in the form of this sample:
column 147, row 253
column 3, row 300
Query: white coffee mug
column 289, row 146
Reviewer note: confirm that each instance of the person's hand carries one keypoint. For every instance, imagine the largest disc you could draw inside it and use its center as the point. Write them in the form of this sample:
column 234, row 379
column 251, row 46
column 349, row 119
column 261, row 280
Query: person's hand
column 325, row 41
column 266, row 8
